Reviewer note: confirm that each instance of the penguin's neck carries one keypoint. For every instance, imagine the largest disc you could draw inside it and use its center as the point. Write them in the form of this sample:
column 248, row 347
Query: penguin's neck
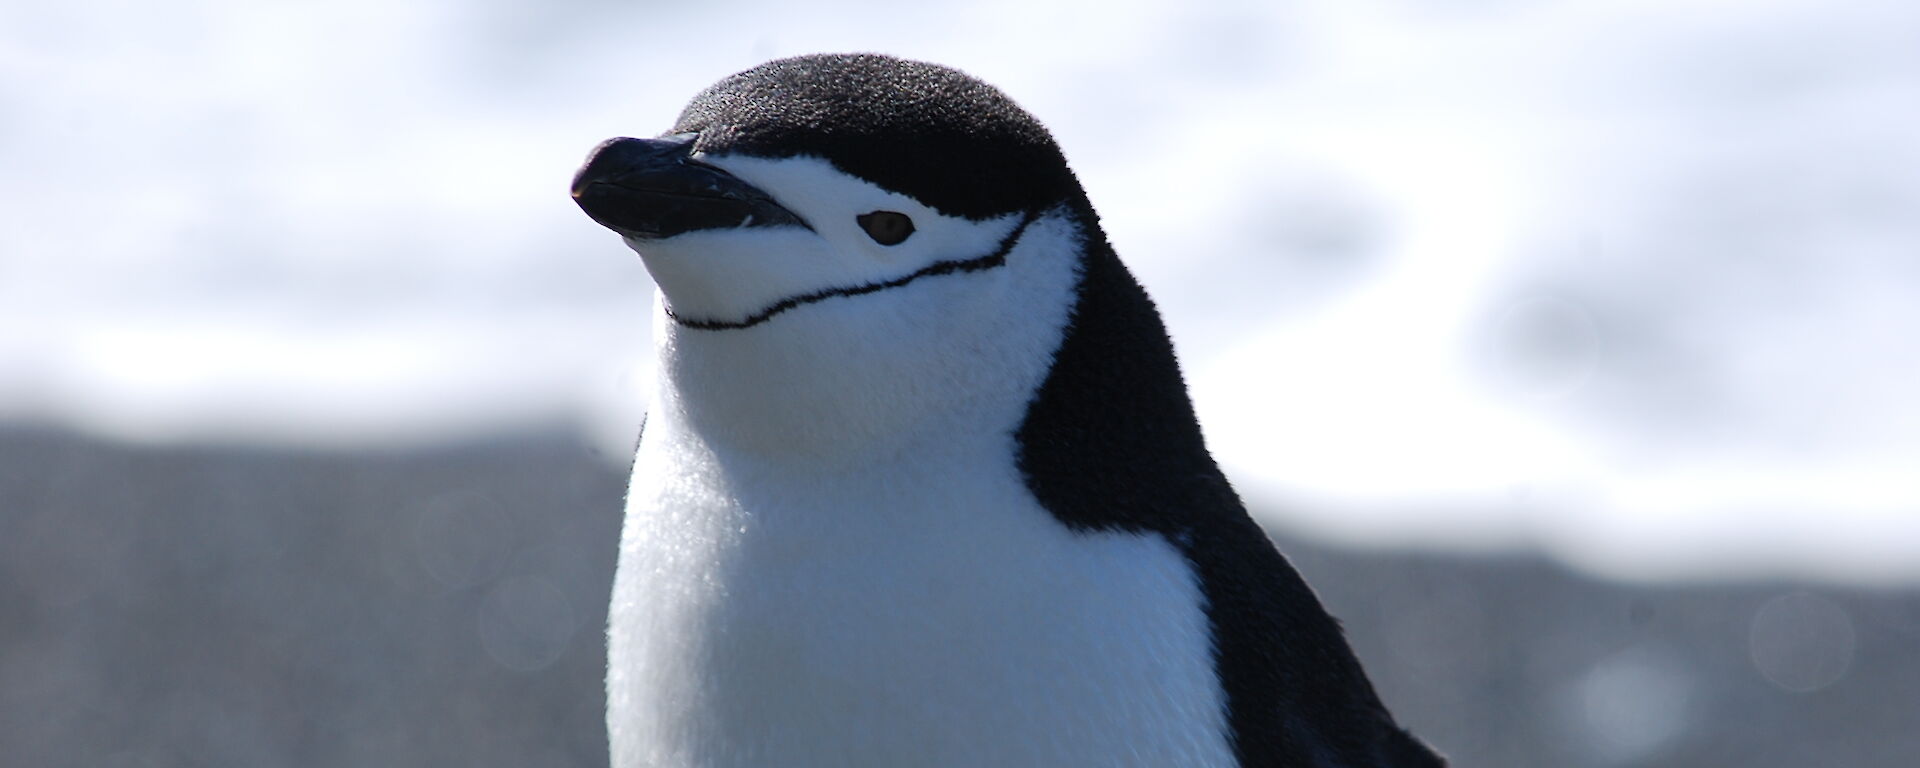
column 813, row 403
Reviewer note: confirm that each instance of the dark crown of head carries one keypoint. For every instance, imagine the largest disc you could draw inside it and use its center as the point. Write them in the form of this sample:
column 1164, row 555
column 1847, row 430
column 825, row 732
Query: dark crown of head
column 927, row 131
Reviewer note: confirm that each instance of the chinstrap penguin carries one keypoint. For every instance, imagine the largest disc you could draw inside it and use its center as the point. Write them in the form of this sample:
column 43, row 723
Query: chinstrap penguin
column 920, row 483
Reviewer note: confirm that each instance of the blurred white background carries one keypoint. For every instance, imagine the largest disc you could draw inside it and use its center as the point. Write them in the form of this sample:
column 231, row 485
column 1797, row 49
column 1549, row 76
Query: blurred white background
column 1635, row 284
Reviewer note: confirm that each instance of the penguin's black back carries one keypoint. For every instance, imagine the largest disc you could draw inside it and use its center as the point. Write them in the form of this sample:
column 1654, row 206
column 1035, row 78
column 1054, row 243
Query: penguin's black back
column 1110, row 442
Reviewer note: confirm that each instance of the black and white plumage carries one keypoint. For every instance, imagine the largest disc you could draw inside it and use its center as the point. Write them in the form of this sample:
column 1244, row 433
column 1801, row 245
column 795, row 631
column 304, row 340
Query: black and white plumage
column 921, row 483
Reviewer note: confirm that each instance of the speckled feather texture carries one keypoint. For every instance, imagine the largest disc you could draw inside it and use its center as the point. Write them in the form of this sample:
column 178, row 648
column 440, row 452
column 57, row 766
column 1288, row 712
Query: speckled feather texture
column 964, row 519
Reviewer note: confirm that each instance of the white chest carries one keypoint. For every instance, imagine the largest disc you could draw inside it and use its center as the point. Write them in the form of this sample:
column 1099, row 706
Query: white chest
column 925, row 612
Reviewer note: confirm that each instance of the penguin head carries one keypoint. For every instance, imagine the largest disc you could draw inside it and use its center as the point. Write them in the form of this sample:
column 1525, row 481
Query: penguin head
column 821, row 175
column 846, row 245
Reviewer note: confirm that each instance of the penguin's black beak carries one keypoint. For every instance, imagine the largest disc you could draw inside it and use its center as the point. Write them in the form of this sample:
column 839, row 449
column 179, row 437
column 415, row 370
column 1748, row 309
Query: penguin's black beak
column 649, row 189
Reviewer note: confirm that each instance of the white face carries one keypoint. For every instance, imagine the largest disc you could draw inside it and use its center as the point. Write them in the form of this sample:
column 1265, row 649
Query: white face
column 867, row 346
column 729, row 275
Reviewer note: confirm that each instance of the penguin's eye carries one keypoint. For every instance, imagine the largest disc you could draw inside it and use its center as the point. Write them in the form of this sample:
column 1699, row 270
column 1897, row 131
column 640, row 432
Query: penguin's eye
column 886, row 227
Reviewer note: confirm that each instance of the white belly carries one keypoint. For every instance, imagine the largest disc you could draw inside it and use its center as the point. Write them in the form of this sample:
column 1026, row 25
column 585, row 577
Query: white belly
column 924, row 613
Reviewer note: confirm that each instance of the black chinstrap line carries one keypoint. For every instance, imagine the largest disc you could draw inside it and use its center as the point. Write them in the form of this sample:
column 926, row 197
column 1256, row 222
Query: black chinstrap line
column 998, row 258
